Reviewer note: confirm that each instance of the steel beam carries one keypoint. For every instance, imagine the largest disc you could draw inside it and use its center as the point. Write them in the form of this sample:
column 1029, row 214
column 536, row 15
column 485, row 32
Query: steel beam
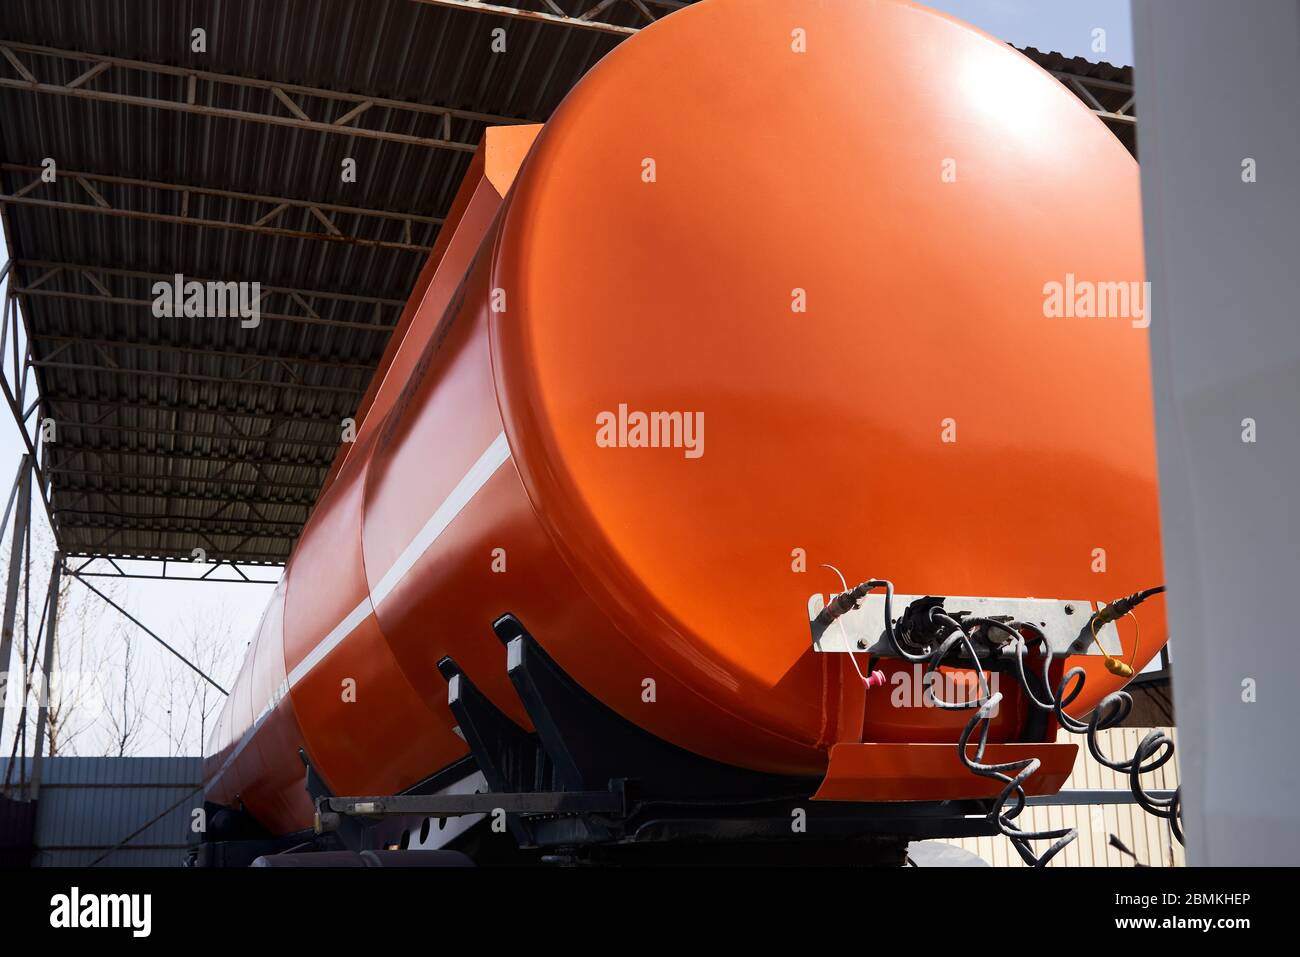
column 171, row 555
column 152, row 277
column 169, row 527
column 139, row 624
column 120, row 492
column 357, row 104
column 356, row 99
column 301, row 298
column 255, row 359
column 189, row 479
column 128, row 576
column 1083, row 87
column 190, row 457
column 47, row 671
column 9, row 322
column 535, row 16
column 189, row 522
column 555, row 15
column 1075, row 797
column 148, row 304
column 278, row 206
column 232, row 412
column 185, row 220
column 170, row 565
column 454, row 805
column 198, row 377
column 226, row 114
column 13, row 495
column 64, row 424
column 21, row 521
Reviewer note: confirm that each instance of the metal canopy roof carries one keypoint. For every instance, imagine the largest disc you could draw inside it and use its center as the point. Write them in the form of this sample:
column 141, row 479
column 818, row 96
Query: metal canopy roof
column 183, row 433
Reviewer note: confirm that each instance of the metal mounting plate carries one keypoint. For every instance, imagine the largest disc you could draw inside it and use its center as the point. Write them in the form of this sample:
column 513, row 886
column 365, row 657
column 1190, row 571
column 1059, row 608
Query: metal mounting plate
column 862, row 629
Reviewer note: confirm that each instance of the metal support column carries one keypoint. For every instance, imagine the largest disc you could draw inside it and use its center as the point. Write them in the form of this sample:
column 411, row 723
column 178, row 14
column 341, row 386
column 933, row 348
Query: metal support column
column 21, row 519
column 42, row 711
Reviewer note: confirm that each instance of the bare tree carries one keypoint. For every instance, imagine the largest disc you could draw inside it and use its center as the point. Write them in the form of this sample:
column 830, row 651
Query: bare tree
column 73, row 708
column 215, row 657
column 77, row 683
column 124, row 705
column 191, row 701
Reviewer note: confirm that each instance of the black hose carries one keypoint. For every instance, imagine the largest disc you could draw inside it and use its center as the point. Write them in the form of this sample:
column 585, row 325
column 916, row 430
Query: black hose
column 1153, row 752
column 1023, row 769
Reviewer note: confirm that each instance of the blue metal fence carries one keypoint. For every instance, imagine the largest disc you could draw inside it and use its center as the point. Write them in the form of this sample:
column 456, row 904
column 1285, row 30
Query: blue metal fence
column 89, row 805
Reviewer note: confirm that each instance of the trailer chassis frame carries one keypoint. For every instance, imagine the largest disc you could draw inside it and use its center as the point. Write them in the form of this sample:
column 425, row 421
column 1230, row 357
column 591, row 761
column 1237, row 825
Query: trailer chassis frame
column 588, row 781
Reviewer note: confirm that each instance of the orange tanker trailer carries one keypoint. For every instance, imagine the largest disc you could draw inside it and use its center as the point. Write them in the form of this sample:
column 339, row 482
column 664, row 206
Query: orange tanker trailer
column 783, row 288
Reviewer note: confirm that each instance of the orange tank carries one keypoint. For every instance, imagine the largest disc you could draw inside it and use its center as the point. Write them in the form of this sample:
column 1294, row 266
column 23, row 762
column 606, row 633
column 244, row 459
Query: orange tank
column 772, row 288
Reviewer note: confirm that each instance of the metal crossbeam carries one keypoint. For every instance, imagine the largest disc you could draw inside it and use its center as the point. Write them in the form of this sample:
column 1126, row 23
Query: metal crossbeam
column 154, row 517
column 65, row 448
column 186, row 375
column 167, row 526
column 189, row 479
column 79, row 494
column 1075, row 797
column 553, row 15
column 181, row 219
column 95, row 277
column 47, row 264
column 1084, row 87
column 278, row 205
column 355, row 105
column 15, row 392
column 139, row 624
column 64, row 424
column 182, row 408
column 453, row 805
column 161, row 347
column 263, row 316
column 171, row 565
column 170, row 556
column 104, row 545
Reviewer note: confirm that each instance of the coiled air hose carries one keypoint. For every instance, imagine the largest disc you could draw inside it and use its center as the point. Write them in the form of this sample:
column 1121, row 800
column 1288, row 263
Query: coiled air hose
column 1011, row 773
column 1154, row 751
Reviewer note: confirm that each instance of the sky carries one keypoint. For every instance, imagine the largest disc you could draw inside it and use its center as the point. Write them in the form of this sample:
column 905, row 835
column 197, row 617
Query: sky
column 179, row 610
column 1065, row 26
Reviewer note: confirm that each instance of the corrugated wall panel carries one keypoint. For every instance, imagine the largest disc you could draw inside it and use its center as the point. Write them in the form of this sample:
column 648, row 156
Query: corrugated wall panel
column 88, row 805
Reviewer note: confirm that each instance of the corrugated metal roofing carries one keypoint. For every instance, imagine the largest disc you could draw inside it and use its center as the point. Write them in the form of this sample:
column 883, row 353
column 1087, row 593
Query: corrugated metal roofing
column 1106, row 88
column 176, row 434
